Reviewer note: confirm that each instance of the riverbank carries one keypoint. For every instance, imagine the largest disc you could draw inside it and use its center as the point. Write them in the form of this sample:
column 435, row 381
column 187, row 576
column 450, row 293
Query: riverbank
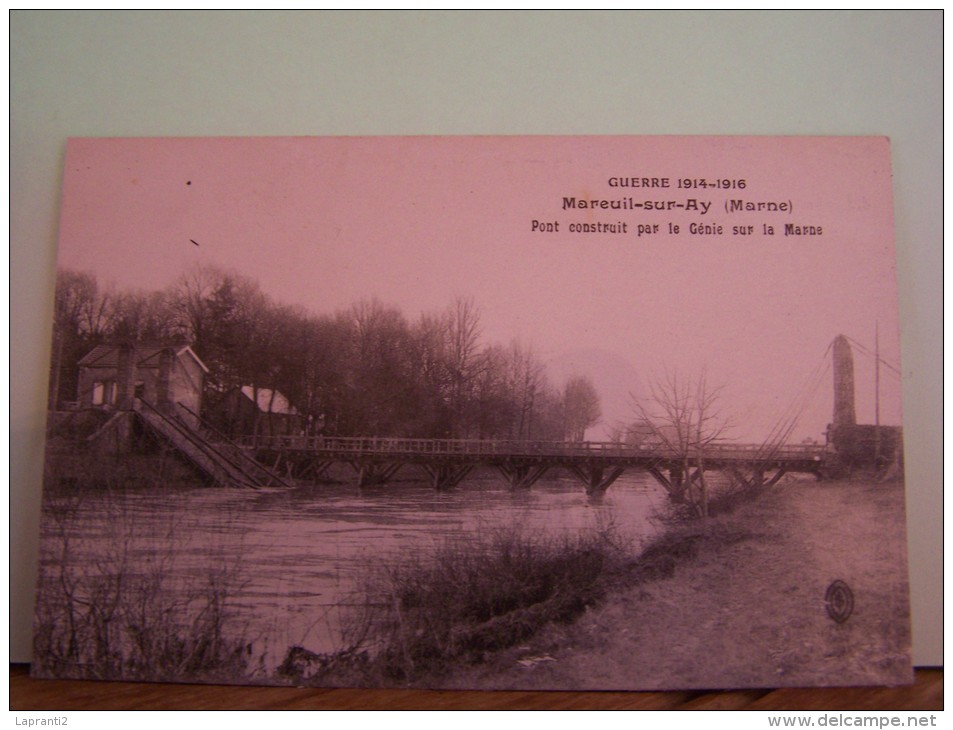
column 744, row 605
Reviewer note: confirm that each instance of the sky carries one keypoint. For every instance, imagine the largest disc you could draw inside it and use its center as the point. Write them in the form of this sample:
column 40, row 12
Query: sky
column 419, row 221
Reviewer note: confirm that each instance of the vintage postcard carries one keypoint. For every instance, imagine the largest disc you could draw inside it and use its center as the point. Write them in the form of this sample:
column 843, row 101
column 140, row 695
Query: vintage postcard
column 609, row 413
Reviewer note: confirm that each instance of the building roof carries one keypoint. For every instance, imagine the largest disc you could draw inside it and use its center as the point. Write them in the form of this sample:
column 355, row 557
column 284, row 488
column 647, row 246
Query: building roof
column 147, row 356
column 270, row 401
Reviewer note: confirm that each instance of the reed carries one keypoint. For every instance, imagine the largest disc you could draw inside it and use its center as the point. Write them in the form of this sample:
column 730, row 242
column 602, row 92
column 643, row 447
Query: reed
column 113, row 604
column 471, row 596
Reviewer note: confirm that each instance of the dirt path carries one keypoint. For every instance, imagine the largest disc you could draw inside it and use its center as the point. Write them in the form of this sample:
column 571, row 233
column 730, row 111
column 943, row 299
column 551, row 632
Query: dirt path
column 748, row 610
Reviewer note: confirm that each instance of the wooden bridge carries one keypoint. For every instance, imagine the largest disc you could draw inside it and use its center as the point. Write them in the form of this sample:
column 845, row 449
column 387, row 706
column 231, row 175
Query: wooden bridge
column 522, row 463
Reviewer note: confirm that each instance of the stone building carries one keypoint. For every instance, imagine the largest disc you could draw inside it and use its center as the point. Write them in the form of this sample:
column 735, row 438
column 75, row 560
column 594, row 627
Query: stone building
column 169, row 377
column 250, row 411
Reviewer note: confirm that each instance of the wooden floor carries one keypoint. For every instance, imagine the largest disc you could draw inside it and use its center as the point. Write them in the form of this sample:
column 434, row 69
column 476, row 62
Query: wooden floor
column 45, row 694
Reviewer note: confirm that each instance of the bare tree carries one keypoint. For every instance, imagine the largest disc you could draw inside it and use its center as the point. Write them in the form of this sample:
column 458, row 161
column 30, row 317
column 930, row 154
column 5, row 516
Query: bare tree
column 462, row 360
column 81, row 317
column 494, row 411
column 379, row 376
column 141, row 316
column 580, row 403
column 189, row 302
column 525, row 383
column 683, row 418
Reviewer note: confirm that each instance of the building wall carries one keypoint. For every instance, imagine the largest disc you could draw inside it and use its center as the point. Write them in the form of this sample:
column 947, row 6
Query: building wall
column 277, row 424
column 237, row 415
column 186, row 383
column 186, row 380
column 88, row 377
column 145, row 381
column 856, row 445
column 233, row 414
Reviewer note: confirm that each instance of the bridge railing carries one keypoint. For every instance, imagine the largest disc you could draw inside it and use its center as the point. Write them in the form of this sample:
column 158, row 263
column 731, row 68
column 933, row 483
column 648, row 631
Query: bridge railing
column 380, row 446
column 463, row 447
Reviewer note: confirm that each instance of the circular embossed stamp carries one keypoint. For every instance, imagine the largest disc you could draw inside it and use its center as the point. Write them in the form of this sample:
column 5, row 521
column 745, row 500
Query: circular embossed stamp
column 839, row 600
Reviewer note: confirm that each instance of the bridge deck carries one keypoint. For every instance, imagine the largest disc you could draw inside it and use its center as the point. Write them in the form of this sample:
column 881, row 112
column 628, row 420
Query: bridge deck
column 598, row 464
column 492, row 451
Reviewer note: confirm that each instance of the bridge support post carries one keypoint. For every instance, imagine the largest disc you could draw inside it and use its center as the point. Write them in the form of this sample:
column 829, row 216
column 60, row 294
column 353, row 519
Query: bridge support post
column 312, row 469
column 447, row 476
column 674, row 483
column 522, row 476
column 757, row 480
column 595, row 478
column 371, row 472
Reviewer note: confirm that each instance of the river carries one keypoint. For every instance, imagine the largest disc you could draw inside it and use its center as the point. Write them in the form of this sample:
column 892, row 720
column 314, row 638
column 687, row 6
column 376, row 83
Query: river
column 291, row 559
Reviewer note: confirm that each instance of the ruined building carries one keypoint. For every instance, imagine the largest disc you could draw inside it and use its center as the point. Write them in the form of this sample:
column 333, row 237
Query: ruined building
column 165, row 376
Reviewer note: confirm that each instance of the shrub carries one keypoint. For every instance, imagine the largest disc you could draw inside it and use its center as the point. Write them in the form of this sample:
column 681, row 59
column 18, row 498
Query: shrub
column 474, row 595
column 107, row 609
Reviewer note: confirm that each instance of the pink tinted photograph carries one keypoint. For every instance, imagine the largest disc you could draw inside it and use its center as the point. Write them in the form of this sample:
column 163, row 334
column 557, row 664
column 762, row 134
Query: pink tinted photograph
column 556, row 413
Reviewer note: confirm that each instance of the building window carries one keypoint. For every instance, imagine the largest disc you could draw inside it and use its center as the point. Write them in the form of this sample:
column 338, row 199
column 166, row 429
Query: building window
column 104, row 392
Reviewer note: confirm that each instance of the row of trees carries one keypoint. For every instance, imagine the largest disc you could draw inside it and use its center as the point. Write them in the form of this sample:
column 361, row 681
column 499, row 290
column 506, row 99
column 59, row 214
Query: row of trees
column 362, row 370
column 367, row 370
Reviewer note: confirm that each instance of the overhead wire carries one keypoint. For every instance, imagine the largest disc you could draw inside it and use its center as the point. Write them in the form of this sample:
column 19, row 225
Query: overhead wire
column 866, row 351
column 791, row 415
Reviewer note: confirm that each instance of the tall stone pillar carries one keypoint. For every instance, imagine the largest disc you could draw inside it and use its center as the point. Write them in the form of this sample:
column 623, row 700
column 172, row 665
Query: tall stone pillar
column 125, row 376
column 164, row 381
column 844, row 414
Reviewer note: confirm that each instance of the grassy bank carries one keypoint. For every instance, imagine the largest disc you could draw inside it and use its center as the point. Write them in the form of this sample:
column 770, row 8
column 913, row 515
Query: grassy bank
column 461, row 602
column 739, row 602
column 482, row 601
